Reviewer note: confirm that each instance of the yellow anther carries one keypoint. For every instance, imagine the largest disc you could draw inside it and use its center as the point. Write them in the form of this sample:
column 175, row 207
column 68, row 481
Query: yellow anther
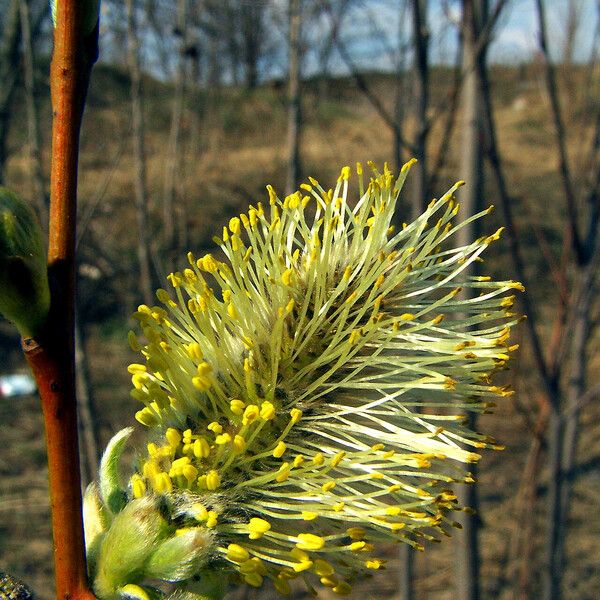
column 407, row 317
column 437, row 320
column 239, row 444
column 329, row 582
column 133, row 341
column 356, row 533
column 308, row 515
column 251, row 413
column 152, row 449
column 201, row 448
column 162, row 483
column 190, row 473
column 237, row 553
column 290, row 306
column 393, row 511
column 282, row 586
column 146, row 417
column 283, row 473
column 272, row 195
column 231, row 311
column 215, row 427
column 345, row 174
column 286, row 278
column 351, row 298
column 318, row 459
column 253, row 579
column 343, row 589
column 356, row 546
column 213, row 480
column 298, row 460
column 376, row 475
column 296, row 415
column 309, row 541
column 377, row 447
column 193, row 351
column 136, row 368
column 199, row 512
column 339, row 506
column 212, row 519
column 139, row 380
column 173, row 437
column 328, row 486
column 322, row 568
column 257, row 528
column 237, row 406
column 374, row 564
column 279, row 450
column 379, row 281
column 303, row 559
column 138, row 487
column 222, row 439
column 234, row 225
column 201, row 383
column 267, row 411
column 355, row 335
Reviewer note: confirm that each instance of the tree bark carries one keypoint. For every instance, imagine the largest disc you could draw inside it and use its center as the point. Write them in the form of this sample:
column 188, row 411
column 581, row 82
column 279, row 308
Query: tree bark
column 466, row 563
column 88, row 433
column 35, row 153
column 139, row 153
column 421, row 48
column 173, row 158
column 294, row 114
column 9, row 61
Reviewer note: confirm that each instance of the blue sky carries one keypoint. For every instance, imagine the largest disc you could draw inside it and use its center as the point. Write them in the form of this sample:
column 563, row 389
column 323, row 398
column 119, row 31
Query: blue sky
column 515, row 38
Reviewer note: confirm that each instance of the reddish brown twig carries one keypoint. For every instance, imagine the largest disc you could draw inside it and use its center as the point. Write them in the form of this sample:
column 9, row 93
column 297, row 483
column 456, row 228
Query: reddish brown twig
column 51, row 355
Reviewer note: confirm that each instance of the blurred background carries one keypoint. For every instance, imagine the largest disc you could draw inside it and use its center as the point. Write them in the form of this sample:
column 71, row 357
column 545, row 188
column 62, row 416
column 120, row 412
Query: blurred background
column 196, row 105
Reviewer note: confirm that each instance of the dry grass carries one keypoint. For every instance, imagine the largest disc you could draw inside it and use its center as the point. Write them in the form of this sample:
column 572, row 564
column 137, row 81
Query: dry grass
column 235, row 146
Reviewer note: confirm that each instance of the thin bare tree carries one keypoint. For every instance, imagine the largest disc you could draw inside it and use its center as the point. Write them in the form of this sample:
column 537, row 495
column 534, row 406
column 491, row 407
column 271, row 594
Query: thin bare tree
column 41, row 198
column 173, row 155
column 9, row 61
column 474, row 15
column 139, row 153
column 421, row 34
column 294, row 110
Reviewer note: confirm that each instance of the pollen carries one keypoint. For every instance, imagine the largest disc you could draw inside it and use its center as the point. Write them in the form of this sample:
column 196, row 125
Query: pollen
column 310, row 541
column 258, row 527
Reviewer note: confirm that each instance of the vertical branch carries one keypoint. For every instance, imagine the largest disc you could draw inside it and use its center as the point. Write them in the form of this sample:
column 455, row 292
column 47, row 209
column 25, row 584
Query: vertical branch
column 466, row 569
column 9, row 60
column 559, row 132
column 51, row 356
column 173, row 158
column 294, row 118
column 421, row 46
column 139, row 152
column 35, row 153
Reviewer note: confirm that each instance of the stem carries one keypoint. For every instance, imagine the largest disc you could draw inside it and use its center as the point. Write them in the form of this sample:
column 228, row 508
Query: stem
column 51, row 356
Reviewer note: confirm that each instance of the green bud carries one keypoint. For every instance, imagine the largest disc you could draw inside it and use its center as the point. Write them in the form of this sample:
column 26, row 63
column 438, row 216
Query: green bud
column 181, row 556
column 24, row 291
column 95, row 521
column 113, row 496
column 91, row 14
column 134, row 535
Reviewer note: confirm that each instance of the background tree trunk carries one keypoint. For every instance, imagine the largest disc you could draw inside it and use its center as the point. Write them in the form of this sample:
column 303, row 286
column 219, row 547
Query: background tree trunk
column 421, row 85
column 139, row 154
column 294, row 111
column 35, row 154
column 466, row 563
column 9, row 68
